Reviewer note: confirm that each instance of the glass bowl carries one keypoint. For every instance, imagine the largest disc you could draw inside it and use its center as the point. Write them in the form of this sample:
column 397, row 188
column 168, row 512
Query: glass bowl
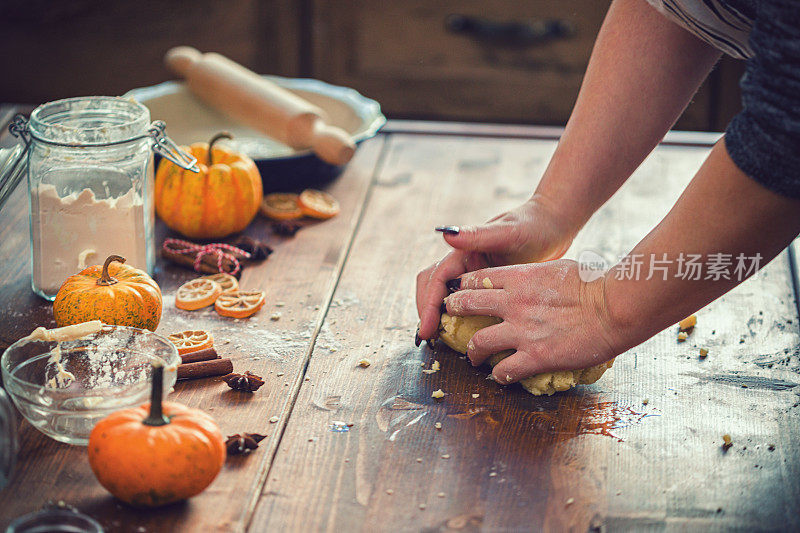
column 63, row 389
column 55, row 521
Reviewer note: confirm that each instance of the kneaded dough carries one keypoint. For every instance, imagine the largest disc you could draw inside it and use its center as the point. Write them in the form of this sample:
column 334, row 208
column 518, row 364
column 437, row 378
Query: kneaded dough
column 456, row 331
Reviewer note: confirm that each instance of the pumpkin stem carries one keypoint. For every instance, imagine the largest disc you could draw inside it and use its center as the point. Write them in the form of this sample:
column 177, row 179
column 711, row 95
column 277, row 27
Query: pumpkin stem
column 156, row 417
column 105, row 278
column 215, row 138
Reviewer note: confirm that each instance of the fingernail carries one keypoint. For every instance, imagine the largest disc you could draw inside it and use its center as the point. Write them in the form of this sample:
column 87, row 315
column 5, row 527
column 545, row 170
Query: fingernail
column 417, row 340
column 453, row 285
column 449, row 230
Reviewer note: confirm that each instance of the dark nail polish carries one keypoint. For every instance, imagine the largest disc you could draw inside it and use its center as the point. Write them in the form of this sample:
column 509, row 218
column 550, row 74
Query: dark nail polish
column 431, row 343
column 417, row 340
column 453, row 285
column 449, row 230
column 443, row 308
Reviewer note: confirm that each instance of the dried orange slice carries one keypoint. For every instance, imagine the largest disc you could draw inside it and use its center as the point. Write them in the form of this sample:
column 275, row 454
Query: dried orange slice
column 225, row 280
column 318, row 204
column 196, row 294
column 191, row 340
column 239, row 304
column 281, row 206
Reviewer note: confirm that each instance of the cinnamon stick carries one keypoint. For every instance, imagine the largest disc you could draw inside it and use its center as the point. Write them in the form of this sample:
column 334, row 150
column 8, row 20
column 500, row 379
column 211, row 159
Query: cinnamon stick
column 200, row 355
column 204, row 369
column 208, row 265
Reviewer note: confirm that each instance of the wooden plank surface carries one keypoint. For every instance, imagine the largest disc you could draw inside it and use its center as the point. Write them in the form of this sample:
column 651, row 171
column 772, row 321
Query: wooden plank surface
column 640, row 450
column 298, row 279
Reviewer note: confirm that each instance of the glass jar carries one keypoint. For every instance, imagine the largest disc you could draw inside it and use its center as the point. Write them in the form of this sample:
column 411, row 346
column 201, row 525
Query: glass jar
column 8, row 439
column 90, row 184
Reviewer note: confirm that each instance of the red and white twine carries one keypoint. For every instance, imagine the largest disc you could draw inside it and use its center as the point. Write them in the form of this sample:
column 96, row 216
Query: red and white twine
column 221, row 250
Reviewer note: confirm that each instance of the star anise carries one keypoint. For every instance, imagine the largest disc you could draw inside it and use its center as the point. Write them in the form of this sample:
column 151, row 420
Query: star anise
column 258, row 250
column 243, row 443
column 247, row 382
column 286, row 228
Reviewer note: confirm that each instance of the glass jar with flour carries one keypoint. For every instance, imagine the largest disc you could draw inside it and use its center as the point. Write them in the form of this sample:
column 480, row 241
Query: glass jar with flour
column 90, row 178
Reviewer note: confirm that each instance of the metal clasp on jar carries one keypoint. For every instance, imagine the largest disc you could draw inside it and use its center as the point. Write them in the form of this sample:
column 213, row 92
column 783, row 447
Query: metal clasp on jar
column 166, row 147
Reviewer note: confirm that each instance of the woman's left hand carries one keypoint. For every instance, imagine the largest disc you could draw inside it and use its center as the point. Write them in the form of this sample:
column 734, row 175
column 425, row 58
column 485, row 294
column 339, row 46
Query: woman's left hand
column 551, row 318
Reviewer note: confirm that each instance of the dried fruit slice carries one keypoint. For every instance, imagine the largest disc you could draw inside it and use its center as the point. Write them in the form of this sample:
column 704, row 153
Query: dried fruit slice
column 281, row 206
column 191, row 340
column 225, row 280
column 318, row 204
column 239, row 304
column 196, row 294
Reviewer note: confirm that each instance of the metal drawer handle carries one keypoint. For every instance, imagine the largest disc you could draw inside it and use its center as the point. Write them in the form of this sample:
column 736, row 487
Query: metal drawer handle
column 511, row 34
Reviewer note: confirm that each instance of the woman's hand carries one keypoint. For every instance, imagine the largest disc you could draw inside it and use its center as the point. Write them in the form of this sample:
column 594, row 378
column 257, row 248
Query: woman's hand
column 551, row 318
column 531, row 232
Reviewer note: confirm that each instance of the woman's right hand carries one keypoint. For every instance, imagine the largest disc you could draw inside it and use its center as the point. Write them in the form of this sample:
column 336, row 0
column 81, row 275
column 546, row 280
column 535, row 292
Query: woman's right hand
column 529, row 233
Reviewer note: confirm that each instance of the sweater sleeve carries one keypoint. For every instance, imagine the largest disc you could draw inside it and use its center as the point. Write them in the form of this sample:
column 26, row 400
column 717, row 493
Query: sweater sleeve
column 763, row 140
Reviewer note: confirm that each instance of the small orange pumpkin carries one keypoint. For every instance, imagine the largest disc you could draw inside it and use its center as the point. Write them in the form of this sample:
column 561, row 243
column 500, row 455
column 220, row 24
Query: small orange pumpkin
column 113, row 293
column 158, row 453
column 219, row 200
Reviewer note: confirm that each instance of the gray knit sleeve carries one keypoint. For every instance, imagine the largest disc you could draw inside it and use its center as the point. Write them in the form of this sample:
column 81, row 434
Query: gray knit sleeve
column 764, row 138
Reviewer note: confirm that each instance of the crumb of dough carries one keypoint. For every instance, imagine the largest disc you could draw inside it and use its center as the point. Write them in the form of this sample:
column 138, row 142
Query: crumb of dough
column 687, row 323
column 275, row 317
column 364, row 363
column 645, row 401
column 570, row 501
column 422, row 506
column 492, row 474
column 446, row 456
column 438, row 425
column 727, row 442
column 419, row 459
column 703, row 353
column 682, row 336
column 273, row 419
column 441, row 495
column 476, row 395
column 456, row 331
column 389, row 492
column 487, row 283
column 435, row 367
column 438, row 393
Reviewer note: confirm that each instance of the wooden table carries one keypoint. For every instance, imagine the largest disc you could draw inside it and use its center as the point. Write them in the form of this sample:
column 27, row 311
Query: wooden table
column 640, row 450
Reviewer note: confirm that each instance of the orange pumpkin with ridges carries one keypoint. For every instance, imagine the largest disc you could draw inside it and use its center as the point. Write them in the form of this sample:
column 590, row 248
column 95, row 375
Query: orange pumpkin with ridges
column 158, row 453
column 113, row 293
column 219, row 200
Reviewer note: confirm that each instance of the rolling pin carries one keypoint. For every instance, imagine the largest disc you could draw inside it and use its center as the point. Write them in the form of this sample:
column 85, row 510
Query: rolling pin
column 260, row 104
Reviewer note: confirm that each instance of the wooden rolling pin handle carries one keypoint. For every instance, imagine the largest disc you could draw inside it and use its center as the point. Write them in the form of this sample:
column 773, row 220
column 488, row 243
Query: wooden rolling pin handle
column 331, row 144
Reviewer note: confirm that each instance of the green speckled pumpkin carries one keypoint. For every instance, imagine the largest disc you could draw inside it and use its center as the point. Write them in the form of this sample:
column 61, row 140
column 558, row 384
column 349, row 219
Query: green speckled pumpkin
column 113, row 293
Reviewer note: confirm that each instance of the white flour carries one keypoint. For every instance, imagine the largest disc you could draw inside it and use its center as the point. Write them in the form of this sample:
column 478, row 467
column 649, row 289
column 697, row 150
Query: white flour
column 77, row 230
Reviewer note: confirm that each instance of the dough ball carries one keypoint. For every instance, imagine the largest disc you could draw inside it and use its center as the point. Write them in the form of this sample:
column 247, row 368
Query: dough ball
column 456, row 331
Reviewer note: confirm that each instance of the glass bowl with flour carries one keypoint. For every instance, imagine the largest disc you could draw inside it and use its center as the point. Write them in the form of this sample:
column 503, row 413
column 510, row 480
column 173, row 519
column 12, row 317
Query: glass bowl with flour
column 64, row 387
